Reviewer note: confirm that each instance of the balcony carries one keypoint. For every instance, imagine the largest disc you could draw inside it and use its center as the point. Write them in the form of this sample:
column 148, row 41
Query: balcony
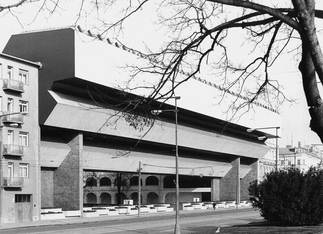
column 13, row 150
column 13, row 85
column 13, row 182
column 12, row 118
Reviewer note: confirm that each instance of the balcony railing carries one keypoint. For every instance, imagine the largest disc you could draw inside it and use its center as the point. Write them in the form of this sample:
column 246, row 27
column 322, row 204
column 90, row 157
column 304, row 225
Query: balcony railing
column 8, row 118
column 13, row 182
column 13, row 150
column 13, row 85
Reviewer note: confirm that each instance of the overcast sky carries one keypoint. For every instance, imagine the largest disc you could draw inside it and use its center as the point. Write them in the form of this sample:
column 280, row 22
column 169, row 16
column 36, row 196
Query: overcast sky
column 295, row 127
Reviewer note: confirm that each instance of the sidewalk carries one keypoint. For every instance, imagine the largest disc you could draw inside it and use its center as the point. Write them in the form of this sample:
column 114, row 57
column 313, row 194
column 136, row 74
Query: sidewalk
column 98, row 219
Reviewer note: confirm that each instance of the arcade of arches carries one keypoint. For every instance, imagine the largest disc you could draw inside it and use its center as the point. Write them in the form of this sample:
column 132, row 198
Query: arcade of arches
column 101, row 188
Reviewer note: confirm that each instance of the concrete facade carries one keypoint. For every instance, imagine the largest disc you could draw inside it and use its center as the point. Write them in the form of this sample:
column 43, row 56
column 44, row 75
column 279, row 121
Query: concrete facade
column 84, row 127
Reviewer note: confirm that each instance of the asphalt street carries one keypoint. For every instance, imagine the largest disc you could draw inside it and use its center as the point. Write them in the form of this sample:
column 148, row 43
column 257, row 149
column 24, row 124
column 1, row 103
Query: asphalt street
column 190, row 222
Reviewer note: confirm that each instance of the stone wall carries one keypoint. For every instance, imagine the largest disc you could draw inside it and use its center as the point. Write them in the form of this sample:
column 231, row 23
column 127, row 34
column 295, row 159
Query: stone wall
column 47, row 188
column 66, row 179
column 228, row 184
column 244, row 183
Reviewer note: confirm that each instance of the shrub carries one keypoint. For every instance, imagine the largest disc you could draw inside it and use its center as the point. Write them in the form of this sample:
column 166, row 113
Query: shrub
column 290, row 197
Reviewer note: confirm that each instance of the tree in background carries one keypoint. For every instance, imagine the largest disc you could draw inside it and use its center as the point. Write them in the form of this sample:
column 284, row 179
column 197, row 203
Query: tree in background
column 122, row 182
column 236, row 44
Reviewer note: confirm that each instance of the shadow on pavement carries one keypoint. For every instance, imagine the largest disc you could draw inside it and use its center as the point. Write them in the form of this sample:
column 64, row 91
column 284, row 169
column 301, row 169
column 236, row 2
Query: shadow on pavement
column 257, row 228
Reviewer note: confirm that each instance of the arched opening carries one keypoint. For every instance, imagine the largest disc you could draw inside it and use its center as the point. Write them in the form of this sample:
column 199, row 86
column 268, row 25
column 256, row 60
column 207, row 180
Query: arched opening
column 152, row 198
column 169, row 181
column 170, row 198
column 123, row 182
column 91, row 198
column 91, row 182
column 105, row 181
column 134, row 197
column 152, row 181
column 105, row 198
column 122, row 198
column 134, row 181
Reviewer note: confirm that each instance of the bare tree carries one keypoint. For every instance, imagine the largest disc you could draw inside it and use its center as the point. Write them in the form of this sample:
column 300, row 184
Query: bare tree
column 202, row 35
column 202, row 30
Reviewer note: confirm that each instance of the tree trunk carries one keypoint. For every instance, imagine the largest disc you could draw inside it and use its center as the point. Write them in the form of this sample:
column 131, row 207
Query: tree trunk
column 311, row 63
column 311, row 91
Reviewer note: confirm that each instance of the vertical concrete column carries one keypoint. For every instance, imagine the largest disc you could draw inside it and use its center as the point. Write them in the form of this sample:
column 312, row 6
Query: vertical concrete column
column 238, row 182
column 81, row 174
column 68, row 185
column 144, row 197
column 228, row 183
column 98, row 195
column 113, row 198
column 247, row 179
column 215, row 189
column 161, row 189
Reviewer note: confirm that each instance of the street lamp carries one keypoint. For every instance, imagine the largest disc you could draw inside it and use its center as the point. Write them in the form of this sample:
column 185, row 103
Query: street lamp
column 266, row 137
column 156, row 112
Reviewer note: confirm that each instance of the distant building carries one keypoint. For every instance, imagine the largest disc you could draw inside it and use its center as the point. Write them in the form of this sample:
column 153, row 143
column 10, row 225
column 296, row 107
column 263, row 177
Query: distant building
column 268, row 162
column 300, row 157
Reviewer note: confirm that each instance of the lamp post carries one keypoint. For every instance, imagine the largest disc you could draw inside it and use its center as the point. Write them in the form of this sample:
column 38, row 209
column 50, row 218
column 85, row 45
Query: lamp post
column 156, row 112
column 264, row 137
column 139, row 188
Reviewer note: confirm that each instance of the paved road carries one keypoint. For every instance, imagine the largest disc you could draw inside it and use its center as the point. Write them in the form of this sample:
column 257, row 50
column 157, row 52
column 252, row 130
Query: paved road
column 190, row 222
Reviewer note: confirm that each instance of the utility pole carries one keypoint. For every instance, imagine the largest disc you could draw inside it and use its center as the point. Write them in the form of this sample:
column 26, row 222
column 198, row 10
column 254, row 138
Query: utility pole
column 139, row 189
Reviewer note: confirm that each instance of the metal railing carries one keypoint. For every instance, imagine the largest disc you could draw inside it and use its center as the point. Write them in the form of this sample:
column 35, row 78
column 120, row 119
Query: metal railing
column 13, row 182
column 14, row 85
column 9, row 117
column 13, row 150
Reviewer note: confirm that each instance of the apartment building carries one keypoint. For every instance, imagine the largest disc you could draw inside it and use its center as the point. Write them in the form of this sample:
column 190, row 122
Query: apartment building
column 19, row 134
column 302, row 157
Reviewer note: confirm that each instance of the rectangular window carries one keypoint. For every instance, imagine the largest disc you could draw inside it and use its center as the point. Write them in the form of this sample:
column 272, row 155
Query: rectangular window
column 10, row 169
column 289, row 163
column 10, row 72
column 10, row 137
column 22, row 198
column 298, row 162
column 23, row 138
column 1, row 104
column 282, row 162
column 10, row 105
column 23, row 76
column 23, row 170
column 23, row 106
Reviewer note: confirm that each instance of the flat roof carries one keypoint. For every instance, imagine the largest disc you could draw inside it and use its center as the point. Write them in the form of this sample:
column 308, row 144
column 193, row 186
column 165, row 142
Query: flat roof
column 7, row 56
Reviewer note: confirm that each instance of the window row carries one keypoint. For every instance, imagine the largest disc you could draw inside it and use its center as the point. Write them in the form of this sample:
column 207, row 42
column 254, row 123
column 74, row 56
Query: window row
column 23, row 138
column 289, row 162
column 23, row 105
column 23, row 75
column 23, row 169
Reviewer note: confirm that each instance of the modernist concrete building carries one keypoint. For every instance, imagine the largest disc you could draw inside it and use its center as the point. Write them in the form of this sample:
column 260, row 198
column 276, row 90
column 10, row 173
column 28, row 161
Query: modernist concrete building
column 84, row 126
column 19, row 161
